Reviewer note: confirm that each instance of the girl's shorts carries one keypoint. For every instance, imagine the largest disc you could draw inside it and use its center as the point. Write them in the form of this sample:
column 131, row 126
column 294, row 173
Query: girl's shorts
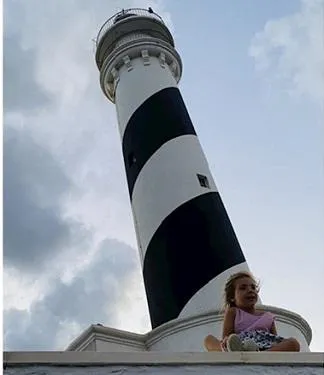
column 263, row 339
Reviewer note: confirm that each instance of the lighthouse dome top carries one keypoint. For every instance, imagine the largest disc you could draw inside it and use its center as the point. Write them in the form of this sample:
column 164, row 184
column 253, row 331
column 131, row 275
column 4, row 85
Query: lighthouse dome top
column 128, row 22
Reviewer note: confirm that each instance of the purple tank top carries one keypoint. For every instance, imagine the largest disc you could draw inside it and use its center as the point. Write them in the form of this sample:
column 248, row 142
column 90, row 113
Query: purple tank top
column 245, row 322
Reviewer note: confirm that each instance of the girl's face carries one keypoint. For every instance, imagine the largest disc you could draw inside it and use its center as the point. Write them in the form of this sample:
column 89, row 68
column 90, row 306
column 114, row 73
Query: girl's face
column 246, row 294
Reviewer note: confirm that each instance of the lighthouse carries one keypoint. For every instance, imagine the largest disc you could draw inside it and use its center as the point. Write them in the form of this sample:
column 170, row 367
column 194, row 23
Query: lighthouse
column 186, row 241
column 187, row 245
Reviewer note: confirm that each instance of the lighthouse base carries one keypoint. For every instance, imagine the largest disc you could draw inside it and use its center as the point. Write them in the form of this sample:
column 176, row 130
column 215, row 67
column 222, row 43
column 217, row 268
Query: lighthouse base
column 183, row 334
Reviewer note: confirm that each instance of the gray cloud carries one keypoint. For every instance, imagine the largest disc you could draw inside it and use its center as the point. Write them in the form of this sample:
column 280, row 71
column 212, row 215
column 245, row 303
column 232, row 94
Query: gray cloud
column 91, row 297
column 34, row 188
column 20, row 90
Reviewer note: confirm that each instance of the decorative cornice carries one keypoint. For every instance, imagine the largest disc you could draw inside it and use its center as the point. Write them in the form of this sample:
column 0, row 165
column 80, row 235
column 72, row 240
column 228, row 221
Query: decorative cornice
column 142, row 47
column 80, row 340
column 106, row 334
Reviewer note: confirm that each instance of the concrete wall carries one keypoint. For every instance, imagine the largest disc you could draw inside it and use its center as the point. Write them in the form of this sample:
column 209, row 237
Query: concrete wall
column 105, row 346
column 167, row 370
column 91, row 346
column 85, row 363
column 183, row 334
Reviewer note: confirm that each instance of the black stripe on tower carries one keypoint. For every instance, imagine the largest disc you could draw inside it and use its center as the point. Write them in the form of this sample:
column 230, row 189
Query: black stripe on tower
column 193, row 245
column 162, row 117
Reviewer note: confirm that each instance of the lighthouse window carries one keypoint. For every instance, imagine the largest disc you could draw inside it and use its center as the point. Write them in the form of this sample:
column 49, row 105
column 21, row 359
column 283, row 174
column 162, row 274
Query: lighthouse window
column 203, row 180
column 131, row 159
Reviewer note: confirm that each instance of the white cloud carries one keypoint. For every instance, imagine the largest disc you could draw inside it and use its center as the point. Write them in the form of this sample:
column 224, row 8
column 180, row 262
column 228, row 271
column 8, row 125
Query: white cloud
column 291, row 50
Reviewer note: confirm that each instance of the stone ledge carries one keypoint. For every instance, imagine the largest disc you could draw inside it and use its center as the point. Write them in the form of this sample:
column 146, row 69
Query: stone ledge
column 13, row 359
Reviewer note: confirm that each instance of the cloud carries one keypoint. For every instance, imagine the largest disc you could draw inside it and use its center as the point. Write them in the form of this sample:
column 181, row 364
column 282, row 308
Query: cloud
column 68, row 115
column 35, row 230
column 68, row 232
column 90, row 297
column 291, row 50
column 21, row 91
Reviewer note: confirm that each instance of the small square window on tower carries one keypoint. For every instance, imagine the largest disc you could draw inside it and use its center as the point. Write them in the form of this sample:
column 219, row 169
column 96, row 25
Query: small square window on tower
column 203, row 180
column 131, row 159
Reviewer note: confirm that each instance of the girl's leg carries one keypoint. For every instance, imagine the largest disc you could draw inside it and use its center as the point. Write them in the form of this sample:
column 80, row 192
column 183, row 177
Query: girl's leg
column 212, row 344
column 287, row 345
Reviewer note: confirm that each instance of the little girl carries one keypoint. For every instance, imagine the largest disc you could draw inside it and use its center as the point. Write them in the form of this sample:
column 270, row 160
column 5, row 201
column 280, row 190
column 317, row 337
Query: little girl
column 244, row 327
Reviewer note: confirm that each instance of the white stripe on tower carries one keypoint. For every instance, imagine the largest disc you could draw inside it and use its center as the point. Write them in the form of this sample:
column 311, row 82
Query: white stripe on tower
column 187, row 243
column 131, row 92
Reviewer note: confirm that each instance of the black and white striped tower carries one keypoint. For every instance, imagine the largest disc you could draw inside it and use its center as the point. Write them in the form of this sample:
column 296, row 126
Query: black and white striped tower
column 186, row 241
column 187, row 244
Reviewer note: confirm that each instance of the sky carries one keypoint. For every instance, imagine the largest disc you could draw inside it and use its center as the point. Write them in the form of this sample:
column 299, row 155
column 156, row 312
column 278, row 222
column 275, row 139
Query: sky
column 253, row 83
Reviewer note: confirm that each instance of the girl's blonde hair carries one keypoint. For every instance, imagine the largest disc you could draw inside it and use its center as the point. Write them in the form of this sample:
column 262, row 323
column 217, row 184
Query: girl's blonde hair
column 229, row 292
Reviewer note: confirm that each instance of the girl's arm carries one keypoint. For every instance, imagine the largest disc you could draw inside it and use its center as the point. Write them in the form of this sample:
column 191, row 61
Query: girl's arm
column 228, row 325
